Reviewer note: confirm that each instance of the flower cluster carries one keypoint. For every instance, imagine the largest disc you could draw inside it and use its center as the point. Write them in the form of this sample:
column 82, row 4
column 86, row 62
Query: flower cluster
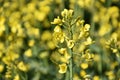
column 72, row 38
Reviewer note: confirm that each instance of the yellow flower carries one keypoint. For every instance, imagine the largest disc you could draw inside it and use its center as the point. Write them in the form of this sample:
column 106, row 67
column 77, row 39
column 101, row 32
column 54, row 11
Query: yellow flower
column 64, row 12
column 57, row 21
column 65, row 58
column 28, row 53
column 43, row 55
column 51, row 44
column 1, row 68
column 46, row 35
column 13, row 56
column 84, row 65
column 114, row 50
column 81, row 47
column 57, row 29
column 88, row 56
column 58, row 37
column 82, row 34
column 1, row 54
column 22, row 66
column 67, row 13
column 63, row 68
column 70, row 12
column 87, row 27
column 16, row 77
column 104, row 29
column 10, row 56
column 96, row 78
column 39, row 15
column 110, row 75
column 89, row 41
column 31, row 43
column 31, row 31
column 62, row 50
column 76, row 77
column 82, row 73
column 2, row 46
column 2, row 26
column 70, row 43
column 8, row 75
column 113, row 10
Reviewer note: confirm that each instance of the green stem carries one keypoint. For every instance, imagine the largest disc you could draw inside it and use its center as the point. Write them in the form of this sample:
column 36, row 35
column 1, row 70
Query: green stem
column 67, row 76
column 71, row 59
column 71, row 64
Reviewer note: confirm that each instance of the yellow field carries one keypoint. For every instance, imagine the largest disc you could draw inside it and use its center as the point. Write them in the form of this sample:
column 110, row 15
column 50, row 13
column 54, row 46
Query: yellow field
column 59, row 40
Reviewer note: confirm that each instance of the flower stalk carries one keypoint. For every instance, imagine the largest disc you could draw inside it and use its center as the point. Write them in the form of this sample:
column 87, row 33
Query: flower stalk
column 71, row 64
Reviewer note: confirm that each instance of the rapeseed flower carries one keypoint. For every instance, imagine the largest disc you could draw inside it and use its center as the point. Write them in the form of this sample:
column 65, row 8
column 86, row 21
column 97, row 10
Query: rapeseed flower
column 1, row 68
column 28, row 53
column 57, row 29
column 22, row 66
column 84, row 65
column 70, row 43
column 63, row 68
column 57, row 21
column 17, row 77
column 62, row 50
column 58, row 37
